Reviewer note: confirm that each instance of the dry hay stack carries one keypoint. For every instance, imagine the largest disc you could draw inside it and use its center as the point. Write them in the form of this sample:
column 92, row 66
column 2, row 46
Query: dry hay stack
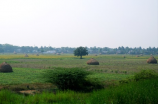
column 37, row 54
column 137, row 56
column 92, row 62
column 4, row 67
column 26, row 55
column 152, row 60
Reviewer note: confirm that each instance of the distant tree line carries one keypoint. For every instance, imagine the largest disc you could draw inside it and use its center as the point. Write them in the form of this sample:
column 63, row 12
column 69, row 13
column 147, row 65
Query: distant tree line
column 8, row 48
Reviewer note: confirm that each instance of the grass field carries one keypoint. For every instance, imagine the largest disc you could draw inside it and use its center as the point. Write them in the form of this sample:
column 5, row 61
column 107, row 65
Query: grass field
column 29, row 70
column 112, row 67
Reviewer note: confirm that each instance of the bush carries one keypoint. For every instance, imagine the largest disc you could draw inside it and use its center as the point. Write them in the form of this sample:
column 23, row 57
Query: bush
column 145, row 74
column 71, row 78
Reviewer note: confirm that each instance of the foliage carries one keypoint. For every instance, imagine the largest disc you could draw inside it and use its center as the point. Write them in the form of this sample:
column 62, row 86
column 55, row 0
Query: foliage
column 71, row 78
column 8, row 48
column 81, row 51
column 145, row 74
column 141, row 92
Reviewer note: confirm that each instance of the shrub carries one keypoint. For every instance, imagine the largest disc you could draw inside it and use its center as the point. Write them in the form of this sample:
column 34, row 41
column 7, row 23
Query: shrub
column 71, row 78
column 145, row 74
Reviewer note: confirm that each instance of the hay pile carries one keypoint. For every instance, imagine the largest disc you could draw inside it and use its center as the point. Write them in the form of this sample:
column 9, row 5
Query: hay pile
column 26, row 55
column 37, row 54
column 137, row 56
column 4, row 67
column 92, row 62
column 152, row 60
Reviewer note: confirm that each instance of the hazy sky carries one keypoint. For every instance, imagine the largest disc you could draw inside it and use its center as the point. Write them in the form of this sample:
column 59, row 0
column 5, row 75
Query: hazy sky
column 73, row 23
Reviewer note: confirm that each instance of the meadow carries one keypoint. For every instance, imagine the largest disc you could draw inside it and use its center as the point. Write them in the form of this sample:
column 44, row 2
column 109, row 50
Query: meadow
column 28, row 71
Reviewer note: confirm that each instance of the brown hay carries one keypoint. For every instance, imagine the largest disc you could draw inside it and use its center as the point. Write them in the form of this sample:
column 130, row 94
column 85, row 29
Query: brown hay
column 152, row 60
column 92, row 62
column 4, row 67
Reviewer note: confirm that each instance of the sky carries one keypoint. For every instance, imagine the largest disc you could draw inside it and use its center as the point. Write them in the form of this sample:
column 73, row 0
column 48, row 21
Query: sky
column 74, row 23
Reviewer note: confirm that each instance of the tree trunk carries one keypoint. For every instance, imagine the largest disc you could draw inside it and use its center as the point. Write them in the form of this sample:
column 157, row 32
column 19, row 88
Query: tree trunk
column 81, row 57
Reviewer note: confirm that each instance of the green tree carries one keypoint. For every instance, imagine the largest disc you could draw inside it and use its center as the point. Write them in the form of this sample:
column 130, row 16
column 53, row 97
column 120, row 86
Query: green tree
column 1, row 50
column 80, row 51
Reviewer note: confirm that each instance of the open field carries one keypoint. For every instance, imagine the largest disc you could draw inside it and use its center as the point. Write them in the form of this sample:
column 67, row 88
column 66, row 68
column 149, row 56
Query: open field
column 112, row 67
column 29, row 71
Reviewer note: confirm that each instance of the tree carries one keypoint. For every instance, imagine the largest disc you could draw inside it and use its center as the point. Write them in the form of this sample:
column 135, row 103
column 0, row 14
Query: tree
column 1, row 50
column 80, row 51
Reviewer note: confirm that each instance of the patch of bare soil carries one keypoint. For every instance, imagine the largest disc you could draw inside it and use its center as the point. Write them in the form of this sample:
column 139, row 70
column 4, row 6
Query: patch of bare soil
column 29, row 92
column 29, row 89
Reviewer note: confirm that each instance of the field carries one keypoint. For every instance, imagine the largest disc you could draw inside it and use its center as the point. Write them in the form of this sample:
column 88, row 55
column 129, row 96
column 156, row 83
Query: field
column 28, row 71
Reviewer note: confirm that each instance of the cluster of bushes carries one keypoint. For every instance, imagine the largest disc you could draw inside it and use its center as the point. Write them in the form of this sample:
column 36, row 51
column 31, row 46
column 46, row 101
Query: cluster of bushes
column 72, row 79
column 142, row 75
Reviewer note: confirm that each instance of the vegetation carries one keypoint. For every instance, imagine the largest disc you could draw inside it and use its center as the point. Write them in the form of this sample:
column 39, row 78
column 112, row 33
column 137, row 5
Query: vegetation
column 72, row 79
column 7, row 48
column 145, row 74
column 142, row 92
column 80, row 51
column 127, row 80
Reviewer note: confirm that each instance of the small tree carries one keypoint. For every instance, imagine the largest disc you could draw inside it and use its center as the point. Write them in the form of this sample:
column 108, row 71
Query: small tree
column 81, row 51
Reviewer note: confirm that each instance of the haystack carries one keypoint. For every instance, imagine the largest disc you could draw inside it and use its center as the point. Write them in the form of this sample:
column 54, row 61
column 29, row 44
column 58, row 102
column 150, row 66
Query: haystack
column 26, row 55
column 152, row 60
column 4, row 67
column 37, row 54
column 137, row 56
column 92, row 62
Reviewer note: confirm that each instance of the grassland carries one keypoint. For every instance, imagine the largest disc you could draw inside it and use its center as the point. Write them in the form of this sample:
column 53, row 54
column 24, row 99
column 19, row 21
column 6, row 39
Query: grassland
column 112, row 69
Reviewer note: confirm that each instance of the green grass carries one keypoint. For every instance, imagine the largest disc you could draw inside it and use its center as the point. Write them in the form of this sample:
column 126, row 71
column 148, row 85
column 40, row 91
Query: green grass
column 30, row 75
column 21, row 75
column 112, row 67
column 142, row 92
column 109, row 76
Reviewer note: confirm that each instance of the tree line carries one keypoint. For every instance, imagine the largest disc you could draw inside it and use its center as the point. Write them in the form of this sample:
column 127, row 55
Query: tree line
column 8, row 48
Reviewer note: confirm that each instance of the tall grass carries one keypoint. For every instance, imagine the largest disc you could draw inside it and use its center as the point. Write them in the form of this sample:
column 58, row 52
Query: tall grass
column 141, row 92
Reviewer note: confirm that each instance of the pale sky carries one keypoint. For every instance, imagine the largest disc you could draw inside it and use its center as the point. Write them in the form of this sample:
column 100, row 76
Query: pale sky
column 73, row 23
